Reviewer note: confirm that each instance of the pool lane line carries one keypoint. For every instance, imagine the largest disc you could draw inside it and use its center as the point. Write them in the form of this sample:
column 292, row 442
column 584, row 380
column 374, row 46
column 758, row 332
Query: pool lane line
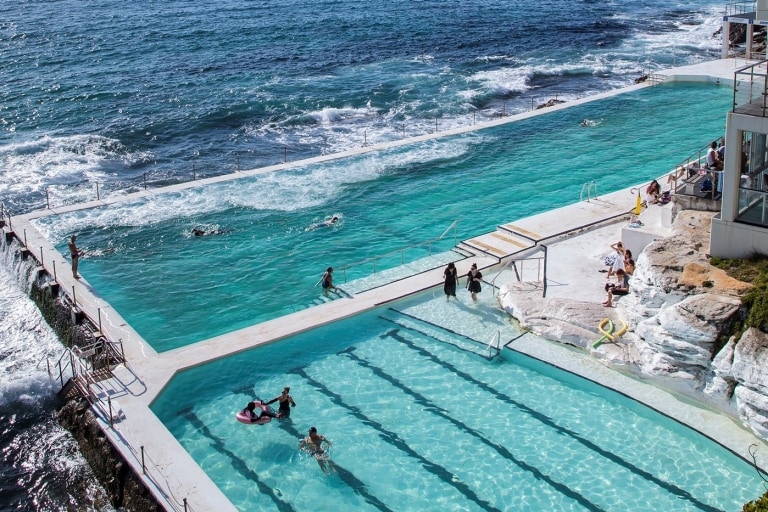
column 430, row 406
column 237, row 463
column 346, row 476
column 395, row 440
column 546, row 420
column 426, row 334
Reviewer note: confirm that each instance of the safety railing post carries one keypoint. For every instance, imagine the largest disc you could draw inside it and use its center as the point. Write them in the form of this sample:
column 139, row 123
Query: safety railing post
column 143, row 467
column 285, row 153
column 111, row 421
column 47, row 199
column 54, row 271
column 185, row 504
column 25, row 238
column 42, row 263
column 98, row 311
column 98, row 197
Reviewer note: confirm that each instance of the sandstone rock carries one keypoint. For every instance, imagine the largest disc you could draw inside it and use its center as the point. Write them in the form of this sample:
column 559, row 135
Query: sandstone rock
column 752, row 407
column 750, row 361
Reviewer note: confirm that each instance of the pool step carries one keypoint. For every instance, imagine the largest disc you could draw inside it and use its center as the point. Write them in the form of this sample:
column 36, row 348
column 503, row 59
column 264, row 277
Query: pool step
column 500, row 243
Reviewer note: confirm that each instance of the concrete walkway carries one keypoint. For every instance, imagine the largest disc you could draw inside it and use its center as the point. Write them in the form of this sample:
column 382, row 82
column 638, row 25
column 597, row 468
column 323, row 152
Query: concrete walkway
column 575, row 237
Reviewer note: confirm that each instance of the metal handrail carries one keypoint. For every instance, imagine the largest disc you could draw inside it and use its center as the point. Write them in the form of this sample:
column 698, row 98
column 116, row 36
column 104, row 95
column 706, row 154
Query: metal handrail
column 402, row 250
column 588, row 185
column 497, row 338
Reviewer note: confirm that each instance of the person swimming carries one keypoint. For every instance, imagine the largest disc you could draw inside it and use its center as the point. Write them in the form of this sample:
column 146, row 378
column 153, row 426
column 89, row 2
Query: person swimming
column 327, row 222
column 202, row 232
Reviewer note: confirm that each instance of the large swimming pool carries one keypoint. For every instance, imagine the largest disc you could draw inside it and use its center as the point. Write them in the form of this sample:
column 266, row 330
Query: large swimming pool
column 268, row 260
column 421, row 419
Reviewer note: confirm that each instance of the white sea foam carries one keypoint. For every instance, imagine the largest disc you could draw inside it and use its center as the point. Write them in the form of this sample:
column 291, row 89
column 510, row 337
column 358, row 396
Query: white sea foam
column 27, row 344
column 284, row 191
column 52, row 163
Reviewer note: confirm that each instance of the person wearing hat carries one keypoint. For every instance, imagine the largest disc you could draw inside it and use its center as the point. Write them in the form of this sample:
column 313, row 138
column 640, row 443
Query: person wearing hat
column 474, row 277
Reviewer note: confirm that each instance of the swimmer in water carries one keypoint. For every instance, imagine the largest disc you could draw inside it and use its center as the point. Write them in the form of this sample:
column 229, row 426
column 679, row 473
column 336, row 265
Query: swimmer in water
column 200, row 232
column 313, row 444
column 327, row 223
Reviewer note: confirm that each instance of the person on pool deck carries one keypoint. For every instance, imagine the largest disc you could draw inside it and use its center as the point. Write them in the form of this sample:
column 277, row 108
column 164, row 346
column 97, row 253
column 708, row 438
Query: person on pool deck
column 75, row 254
column 286, row 402
column 254, row 416
column 474, row 278
column 313, row 444
column 450, row 277
column 620, row 287
column 713, row 157
column 617, row 260
column 652, row 192
column 327, row 280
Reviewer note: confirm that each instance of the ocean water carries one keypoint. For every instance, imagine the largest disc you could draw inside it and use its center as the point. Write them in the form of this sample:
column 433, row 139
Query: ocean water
column 107, row 94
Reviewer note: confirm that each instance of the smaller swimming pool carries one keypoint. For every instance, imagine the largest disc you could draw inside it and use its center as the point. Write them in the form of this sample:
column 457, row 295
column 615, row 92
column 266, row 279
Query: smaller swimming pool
column 422, row 419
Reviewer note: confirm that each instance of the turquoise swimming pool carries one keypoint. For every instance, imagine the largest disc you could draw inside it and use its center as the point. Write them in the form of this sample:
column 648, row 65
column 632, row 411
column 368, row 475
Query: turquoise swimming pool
column 421, row 419
column 268, row 259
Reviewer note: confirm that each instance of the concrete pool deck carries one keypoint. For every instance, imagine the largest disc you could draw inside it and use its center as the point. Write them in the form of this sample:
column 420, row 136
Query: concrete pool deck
column 572, row 262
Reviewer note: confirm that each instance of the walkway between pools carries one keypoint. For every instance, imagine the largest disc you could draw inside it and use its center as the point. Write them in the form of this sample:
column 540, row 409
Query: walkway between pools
column 172, row 474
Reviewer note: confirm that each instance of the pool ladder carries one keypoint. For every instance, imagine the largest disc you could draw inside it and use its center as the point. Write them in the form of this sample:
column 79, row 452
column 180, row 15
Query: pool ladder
column 494, row 346
column 586, row 189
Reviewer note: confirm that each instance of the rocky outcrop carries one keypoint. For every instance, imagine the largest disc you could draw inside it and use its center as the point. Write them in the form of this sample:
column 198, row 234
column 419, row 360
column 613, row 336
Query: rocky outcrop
column 677, row 311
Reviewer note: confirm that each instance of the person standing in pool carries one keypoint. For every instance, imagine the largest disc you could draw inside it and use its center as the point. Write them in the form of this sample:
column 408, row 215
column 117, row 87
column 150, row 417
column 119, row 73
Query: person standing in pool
column 313, row 444
column 75, row 254
column 450, row 277
column 286, row 402
column 474, row 277
column 327, row 280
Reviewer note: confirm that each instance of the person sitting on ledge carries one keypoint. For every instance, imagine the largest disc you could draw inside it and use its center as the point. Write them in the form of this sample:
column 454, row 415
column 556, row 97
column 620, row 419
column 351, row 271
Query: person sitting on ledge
column 713, row 157
column 652, row 192
column 620, row 287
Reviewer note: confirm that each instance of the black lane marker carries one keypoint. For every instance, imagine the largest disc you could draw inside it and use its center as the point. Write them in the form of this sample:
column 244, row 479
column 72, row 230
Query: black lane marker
column 670, row 488
column 346, row 476
column 500, row 449
column 395, row 440
column 237, row 463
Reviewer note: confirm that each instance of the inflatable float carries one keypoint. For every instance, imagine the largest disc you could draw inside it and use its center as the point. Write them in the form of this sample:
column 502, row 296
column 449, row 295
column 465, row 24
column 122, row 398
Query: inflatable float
column 245, row 417
column 607, row 329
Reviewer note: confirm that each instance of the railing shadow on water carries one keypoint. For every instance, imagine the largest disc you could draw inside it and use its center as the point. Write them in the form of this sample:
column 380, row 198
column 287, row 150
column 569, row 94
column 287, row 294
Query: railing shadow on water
column 393, row 265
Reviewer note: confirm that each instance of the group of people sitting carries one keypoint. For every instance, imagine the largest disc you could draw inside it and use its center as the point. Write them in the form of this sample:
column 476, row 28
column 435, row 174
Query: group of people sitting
column 620, row 266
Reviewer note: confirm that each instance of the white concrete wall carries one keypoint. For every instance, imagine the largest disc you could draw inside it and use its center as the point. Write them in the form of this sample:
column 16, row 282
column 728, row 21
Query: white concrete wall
column 736, row 240
column 762, row 10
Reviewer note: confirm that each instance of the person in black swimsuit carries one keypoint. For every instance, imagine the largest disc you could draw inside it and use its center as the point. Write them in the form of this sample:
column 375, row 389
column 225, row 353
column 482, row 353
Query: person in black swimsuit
column 250, row 410
column 286, row 402
column 75, row 254
column 474, row 277
column 450, row 277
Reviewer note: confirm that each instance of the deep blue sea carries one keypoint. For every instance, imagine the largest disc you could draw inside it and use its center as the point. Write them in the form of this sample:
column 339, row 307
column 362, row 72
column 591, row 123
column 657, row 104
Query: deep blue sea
column 109, row 94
